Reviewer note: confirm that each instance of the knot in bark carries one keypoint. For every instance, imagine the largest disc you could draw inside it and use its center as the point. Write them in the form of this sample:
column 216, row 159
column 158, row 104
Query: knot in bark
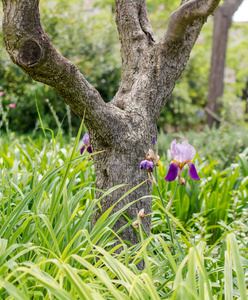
column 30, row 53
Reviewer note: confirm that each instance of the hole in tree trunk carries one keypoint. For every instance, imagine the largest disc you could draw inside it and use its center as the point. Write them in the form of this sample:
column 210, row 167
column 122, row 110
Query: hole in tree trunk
column 30, row 53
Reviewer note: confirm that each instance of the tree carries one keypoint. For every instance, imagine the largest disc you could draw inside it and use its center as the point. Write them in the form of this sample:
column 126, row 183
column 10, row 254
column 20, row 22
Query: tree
column 124, row 127
column 222, row 22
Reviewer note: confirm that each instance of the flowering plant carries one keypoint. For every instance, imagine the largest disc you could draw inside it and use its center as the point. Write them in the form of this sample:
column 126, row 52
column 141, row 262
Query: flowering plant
column 152, row 154
column 151, row 159
column 182, row 154
column 86, row 141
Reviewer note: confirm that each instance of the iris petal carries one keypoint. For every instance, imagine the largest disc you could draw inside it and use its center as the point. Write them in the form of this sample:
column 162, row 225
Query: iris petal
column 182, row 152
column 172, row 173
column 188, row 151
column 86, row 139
column 82, row 149
column 89, row 149
column 151, row 168
column 148, row 165
column 173, row 149
column 192, row 171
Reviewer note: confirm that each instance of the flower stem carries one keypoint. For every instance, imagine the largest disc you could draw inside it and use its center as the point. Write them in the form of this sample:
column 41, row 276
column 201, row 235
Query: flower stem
column 160, row 196
column 167, row 217
column 171, row 200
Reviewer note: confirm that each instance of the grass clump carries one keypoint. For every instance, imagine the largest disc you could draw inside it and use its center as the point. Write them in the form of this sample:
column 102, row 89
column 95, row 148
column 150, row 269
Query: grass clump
column 49, row 251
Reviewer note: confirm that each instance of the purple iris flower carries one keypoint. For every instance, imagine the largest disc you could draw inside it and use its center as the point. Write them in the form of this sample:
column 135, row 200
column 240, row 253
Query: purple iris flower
column 146, row 164
column 86, row 141
column 181, row 154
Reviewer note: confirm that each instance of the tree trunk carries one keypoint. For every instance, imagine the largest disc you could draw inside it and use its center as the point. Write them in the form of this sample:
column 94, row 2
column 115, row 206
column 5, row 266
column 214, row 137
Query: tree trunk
column 120, row 165
column 124, row 127
column 222, row 23
column 245, row 97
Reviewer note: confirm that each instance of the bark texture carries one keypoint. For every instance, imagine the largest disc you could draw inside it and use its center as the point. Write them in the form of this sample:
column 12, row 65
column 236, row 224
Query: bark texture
column 245, row 97
column 222, row 22
column 124, row 127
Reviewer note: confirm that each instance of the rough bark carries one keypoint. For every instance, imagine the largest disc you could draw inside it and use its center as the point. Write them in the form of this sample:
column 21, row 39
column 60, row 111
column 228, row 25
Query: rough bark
column 245, row 97
column 124, row 127
column 222, row 22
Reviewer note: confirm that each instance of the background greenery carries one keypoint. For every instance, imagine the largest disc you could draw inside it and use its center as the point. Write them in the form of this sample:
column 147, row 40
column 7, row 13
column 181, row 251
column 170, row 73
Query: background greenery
column 88, row 36
column 90, row 41
column 48, row 249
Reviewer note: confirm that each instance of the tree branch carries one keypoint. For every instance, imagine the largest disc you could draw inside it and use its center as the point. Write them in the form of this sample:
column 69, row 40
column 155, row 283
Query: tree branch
column 186, row 14
column 134, row 29
column 30, row 48
column 137, row 39
column 174, row 49
column 230, row 6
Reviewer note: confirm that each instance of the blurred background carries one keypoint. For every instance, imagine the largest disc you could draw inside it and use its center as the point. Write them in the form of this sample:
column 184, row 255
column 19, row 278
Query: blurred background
column 85, row 33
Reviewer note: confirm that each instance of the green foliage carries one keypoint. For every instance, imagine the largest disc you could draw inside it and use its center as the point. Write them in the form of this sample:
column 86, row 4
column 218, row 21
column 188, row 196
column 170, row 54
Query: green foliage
column 185, row 107
column 236, row 57
column 88, row 37
column 217, row 145
column 49, row 250
column 90, row 41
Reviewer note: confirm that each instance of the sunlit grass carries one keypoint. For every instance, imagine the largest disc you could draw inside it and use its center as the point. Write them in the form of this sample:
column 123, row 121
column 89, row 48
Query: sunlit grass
column 48, row 249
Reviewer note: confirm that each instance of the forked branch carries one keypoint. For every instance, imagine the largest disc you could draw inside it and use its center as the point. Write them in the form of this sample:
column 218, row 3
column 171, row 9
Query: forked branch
column 186, row 14
column 30, row 48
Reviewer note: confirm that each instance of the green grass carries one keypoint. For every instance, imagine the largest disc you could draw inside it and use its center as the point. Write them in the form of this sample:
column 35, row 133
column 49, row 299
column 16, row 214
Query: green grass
column 49, row 251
